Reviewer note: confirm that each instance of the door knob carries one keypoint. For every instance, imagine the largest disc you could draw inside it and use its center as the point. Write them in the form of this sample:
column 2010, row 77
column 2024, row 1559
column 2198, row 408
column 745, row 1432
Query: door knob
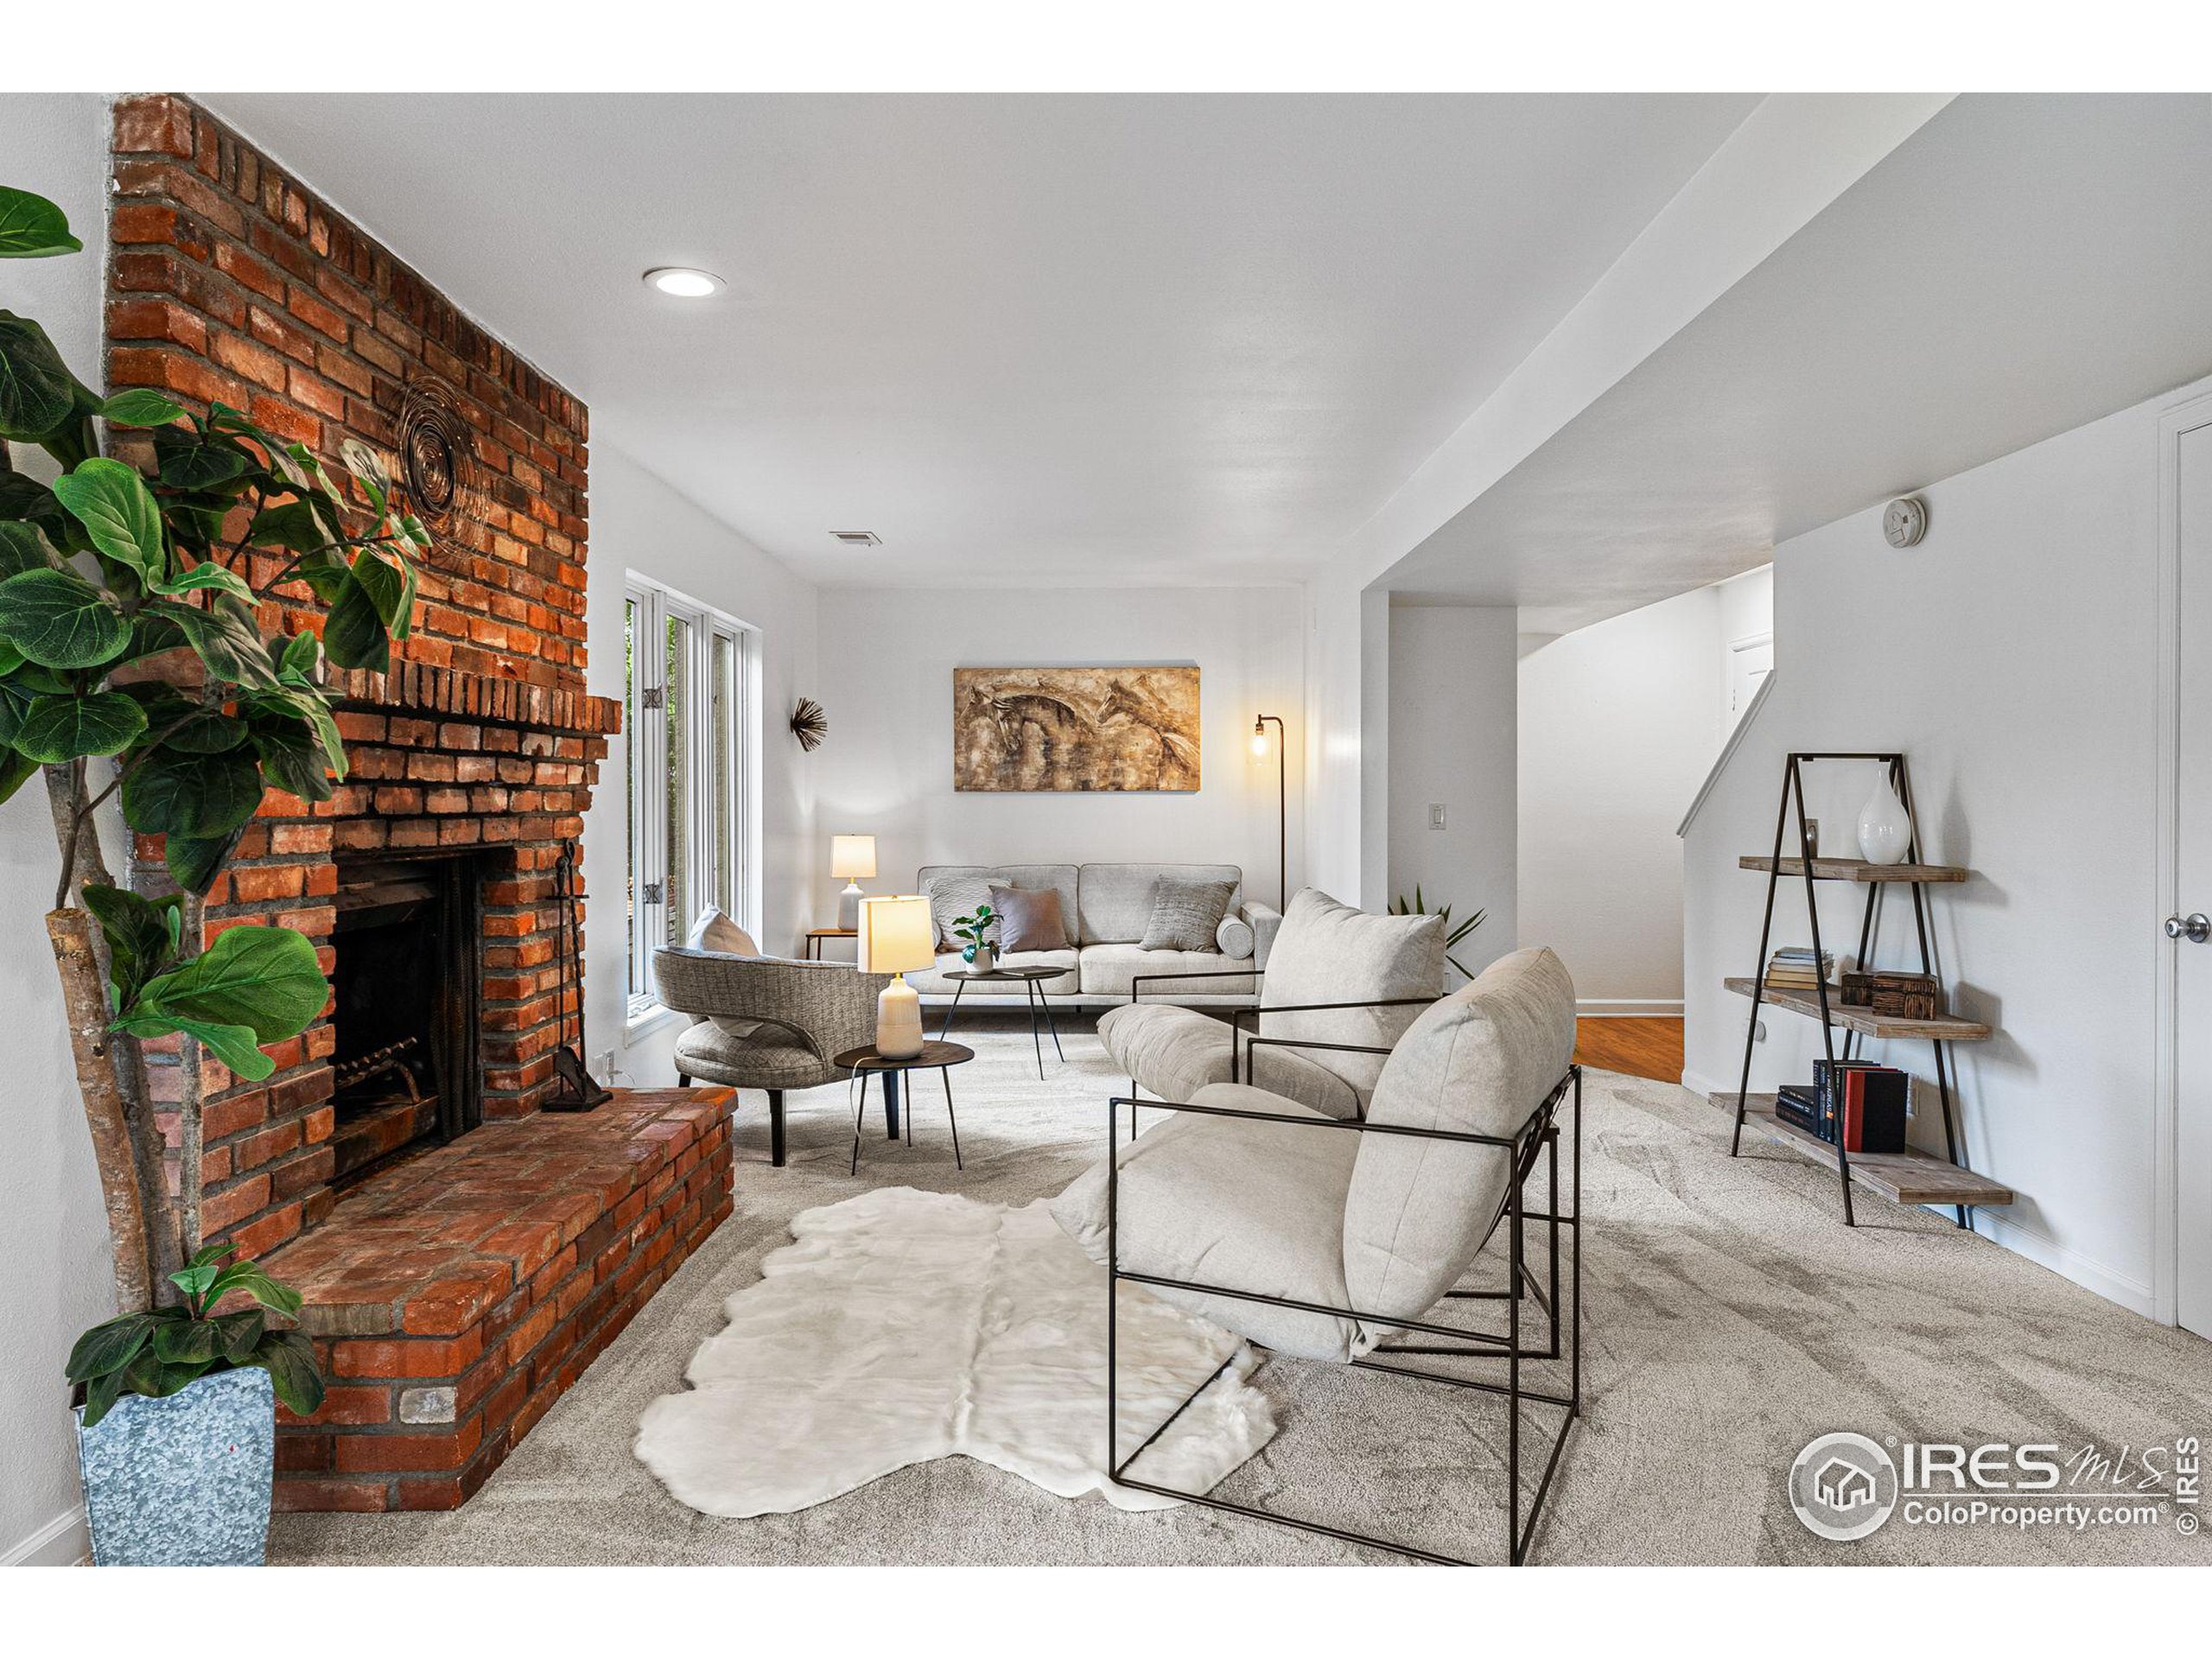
column 2197, row 929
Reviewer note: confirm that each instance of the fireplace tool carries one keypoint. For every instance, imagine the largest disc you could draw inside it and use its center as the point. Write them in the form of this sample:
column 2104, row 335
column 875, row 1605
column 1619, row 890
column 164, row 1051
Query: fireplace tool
column 575, row 1089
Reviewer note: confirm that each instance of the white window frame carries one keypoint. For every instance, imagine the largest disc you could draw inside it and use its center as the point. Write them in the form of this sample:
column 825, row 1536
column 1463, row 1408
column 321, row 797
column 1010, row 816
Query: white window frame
column 655, row 605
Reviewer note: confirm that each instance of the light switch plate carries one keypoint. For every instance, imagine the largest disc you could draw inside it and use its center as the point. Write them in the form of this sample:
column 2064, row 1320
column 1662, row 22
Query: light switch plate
column 1436, row 815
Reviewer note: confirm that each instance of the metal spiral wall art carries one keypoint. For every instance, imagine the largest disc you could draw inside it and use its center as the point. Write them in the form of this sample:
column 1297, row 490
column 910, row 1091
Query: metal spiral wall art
column 809, row 724
column 436, row 452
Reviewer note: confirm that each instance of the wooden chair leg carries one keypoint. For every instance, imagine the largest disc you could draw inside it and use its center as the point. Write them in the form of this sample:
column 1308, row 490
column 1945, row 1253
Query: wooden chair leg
column 775, row 1128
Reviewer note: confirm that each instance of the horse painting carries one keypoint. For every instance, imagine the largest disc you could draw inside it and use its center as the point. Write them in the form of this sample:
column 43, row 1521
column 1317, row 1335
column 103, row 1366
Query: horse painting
column 1075, row 728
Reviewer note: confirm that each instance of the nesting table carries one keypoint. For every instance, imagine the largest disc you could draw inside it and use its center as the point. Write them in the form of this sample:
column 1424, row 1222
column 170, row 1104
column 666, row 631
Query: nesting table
column 940, row 1057
column 1032, row 980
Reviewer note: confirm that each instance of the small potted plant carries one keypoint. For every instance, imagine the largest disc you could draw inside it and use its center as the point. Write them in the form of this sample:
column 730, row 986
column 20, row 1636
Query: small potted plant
column 1451, row 935
column 176, row 1431
column 980, row 931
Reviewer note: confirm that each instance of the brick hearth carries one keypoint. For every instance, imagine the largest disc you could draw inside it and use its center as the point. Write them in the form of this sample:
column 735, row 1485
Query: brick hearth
column 454, row 1298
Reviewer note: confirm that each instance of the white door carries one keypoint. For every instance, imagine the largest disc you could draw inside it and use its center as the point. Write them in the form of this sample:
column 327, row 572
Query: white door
column 2193, row 889
column 1750, row 661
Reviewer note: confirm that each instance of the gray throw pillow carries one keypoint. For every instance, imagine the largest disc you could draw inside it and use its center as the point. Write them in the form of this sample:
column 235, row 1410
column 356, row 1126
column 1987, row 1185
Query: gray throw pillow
column 1029, row 921
column 952, row 897
column 1185, row 915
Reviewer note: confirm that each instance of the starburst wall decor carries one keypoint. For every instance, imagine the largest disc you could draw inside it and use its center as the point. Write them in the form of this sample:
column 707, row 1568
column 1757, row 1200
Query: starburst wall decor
column 809, row 724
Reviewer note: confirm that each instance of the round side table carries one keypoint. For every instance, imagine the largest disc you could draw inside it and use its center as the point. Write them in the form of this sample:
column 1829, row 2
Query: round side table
column 940, row 1057
column 1032, row 980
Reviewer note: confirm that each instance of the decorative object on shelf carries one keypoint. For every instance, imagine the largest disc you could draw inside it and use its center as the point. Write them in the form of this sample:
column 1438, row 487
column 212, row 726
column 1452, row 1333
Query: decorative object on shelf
column 1451, row 935
column 1905, row 521
column 810, row 724
column 436, row 452
column 1907, row 1175
column 1075, row 728
column 1796, row 968
column 897, row 938
column 976, row 928
column 1885, row 825
column 852, row 857
column 1282, row 799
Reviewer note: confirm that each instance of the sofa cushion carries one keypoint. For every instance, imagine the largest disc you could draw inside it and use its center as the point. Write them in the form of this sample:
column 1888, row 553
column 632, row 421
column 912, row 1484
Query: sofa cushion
column 772, row 1059
column 1030, row 878
column 936, row 981
column 1171, row 1054
column 1029, row 921
column 1328, row 952
column 1107, row 970
column 1235, row 939
column 1116, row 899
column 1478, row 1062
column 1185, row 913
column 1247, row 1205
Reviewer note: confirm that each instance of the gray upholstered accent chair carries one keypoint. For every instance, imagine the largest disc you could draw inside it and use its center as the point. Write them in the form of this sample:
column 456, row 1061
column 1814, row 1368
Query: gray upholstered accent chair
column 1339, row 988
column 1325, row 1238
column 766, row 1022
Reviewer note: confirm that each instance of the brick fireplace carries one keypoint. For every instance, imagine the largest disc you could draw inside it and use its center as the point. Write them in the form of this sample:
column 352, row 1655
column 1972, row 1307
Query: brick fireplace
column 462, row 1255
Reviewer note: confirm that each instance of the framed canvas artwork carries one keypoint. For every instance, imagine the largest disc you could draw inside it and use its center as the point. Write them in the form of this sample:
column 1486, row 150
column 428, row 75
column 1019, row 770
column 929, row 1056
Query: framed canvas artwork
column 1075, row 728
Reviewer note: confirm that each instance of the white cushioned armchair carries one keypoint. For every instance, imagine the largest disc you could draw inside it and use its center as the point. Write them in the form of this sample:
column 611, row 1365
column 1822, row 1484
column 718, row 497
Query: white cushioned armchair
column 1339, row 988
column 1324, row 1237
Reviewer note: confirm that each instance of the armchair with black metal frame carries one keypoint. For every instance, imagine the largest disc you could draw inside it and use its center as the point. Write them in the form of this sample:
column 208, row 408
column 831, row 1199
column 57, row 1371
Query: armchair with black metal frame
column 1537, row 1135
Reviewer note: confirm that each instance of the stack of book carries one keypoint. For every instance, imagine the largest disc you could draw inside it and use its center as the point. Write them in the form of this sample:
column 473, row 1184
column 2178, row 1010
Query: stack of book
column 1863, row 1103
column 1795, row 968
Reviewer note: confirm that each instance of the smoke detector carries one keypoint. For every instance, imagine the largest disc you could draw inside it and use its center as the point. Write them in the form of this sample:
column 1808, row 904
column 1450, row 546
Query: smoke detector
column 858, row 538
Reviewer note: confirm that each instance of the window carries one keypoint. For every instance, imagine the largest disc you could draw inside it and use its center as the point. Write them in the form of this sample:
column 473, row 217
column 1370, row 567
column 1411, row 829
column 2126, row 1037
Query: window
column 683, row 705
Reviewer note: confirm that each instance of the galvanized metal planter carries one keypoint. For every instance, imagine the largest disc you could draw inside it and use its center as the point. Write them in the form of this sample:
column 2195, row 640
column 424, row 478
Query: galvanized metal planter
column 183, row 1481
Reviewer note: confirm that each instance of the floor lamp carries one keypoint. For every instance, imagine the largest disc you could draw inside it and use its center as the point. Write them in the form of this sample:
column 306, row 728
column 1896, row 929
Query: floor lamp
column 1282, row 797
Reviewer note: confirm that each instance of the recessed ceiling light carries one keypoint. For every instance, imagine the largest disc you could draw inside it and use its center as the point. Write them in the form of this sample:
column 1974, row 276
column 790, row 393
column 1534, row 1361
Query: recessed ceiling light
column 683, row 281
column 858, row 538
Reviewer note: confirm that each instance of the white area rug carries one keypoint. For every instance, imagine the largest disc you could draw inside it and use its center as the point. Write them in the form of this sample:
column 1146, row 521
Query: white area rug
column 905, row 1325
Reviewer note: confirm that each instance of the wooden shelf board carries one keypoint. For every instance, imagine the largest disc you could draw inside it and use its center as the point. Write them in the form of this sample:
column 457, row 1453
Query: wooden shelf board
column 1857, row 870
column 1906, row 1177
column 1865, row 1021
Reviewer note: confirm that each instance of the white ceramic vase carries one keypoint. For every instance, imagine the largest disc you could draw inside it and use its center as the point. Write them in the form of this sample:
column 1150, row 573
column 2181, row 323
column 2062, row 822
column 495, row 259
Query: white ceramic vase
column 984, row 961
column 1884, row 827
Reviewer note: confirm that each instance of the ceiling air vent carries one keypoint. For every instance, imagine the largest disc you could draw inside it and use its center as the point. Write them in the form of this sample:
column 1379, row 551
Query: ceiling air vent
column 858, row 538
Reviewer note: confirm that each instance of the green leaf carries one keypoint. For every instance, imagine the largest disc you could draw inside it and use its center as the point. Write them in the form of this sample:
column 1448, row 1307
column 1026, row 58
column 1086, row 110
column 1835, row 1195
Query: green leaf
column 57, row 618
column 194, row 861
column 202, row 796
column 292, row 755
column 266, row 979
column 26, row 499
column 188, row 1341
column 56, row 729
column 151, row 1375
column 289, row 525
column 226, row 637
column 141, row 935
column 23, row 547
column 17, row 769
column 234, row 1046
column 301, row 662
column 107, row 1348
column 119, row 512
column 197, row 467
column 210, row 575
column 37, row 391
column 140, row 407
column 385, row 584
column 31, row 227
column 249, row 1279
column 354, row 633
column 240, row 1333
column 289, row 1357
column 194, row 1280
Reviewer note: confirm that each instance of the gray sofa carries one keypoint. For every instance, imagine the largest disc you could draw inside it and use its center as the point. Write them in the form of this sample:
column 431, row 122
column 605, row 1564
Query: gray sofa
column 1106, row 906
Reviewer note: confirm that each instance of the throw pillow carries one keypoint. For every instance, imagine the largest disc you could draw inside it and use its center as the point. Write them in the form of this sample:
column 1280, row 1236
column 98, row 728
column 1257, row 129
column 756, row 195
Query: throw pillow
column 716, row 931
column 1186, row 914
column 952, row 897
column 1029, row 921
column 1234, row 938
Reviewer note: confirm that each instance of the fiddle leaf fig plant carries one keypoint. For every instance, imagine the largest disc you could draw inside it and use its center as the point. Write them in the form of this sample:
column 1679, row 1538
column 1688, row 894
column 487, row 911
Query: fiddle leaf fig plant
column 158, row 1352
column 145, row 661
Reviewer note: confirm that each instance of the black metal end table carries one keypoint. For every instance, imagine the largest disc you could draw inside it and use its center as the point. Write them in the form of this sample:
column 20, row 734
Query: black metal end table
column 1032, row 980
column 940, row 1057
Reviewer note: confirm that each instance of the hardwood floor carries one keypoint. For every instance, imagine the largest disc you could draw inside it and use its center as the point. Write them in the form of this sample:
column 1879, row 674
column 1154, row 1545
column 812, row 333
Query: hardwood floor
column 1641, row 1046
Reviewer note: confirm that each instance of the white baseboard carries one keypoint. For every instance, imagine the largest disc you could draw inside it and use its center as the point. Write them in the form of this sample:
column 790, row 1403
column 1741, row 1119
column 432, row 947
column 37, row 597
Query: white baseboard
column 1702, row 1086
column 1629, row 1007
column 62, row 1541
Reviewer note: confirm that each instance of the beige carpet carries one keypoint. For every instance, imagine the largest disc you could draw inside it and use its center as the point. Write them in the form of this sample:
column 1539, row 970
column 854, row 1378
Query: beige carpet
column 1731, row 1318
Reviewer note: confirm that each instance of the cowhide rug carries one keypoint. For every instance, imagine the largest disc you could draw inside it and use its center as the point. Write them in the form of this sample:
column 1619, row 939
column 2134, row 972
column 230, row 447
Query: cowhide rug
column 904, row 1325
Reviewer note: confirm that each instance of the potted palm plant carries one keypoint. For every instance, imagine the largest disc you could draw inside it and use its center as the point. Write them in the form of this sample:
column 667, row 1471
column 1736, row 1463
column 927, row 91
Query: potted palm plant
column 1418, row 906
column 136, row 669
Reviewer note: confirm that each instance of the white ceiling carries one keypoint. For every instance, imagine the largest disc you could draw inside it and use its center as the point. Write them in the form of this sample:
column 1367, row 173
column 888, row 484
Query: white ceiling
column 1053, row 339
column 2017, row 267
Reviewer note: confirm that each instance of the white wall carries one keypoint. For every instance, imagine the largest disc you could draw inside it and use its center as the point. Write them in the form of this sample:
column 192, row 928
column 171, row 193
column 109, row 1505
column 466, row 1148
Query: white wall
column 1619, row 722
column 640, row 524
column 886, row 767
column 52, row 1230
column 2012, row 656
column 1452, row 696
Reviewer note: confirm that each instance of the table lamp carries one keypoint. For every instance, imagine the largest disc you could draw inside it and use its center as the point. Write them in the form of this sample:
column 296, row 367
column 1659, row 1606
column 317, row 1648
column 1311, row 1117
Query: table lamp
column 851, row 857
column 898, row 936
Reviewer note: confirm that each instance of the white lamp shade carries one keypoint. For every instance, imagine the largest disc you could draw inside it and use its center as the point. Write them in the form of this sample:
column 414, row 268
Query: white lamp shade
column 897, row 936
column 852, row 855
